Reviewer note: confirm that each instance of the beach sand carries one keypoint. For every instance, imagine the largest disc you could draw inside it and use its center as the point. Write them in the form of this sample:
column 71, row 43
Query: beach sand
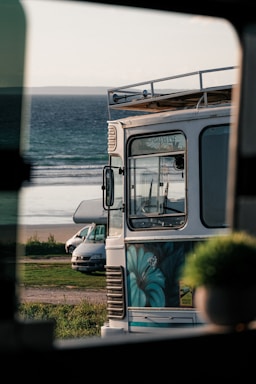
column 61, row 233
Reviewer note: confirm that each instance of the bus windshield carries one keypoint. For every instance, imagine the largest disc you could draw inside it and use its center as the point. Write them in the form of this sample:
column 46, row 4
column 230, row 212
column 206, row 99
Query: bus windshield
column 157, row 181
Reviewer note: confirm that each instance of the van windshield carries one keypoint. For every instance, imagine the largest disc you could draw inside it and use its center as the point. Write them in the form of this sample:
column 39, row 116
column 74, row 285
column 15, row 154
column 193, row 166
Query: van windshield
column 97, row 234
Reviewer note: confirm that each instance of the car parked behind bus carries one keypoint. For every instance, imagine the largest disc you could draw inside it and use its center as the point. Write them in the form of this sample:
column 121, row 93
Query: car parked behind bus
column 90, row 255
column 76, row 239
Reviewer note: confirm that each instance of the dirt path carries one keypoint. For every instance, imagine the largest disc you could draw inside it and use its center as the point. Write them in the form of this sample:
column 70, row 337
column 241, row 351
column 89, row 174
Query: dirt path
column 61, row 295
column 68, row 295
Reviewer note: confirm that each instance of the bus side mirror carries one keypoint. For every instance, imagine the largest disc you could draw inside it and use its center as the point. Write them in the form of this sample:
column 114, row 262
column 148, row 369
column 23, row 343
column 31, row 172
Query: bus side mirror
column 108, row 187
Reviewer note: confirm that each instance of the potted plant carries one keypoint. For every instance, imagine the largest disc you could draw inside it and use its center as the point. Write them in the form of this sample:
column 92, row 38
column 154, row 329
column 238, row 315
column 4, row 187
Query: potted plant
column 222, row 273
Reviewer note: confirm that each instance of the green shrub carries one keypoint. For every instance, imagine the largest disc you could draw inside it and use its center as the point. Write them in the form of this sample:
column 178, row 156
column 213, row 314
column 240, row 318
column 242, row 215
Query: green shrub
column 49, row 247
column 222, row 261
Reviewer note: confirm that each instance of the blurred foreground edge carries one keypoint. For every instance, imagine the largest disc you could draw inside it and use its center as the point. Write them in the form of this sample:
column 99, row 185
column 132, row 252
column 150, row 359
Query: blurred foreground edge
column 201, row 353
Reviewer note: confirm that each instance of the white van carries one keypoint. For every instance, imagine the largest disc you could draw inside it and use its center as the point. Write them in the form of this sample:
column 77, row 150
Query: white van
column 90, row 254
column 76, row 239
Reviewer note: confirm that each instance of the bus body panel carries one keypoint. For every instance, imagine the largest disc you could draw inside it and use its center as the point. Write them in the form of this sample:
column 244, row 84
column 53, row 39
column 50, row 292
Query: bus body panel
column 146, row 250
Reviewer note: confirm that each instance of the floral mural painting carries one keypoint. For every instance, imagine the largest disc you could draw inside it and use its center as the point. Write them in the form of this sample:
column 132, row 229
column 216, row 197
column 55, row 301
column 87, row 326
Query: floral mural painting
column 153, row 271
column 145, row 280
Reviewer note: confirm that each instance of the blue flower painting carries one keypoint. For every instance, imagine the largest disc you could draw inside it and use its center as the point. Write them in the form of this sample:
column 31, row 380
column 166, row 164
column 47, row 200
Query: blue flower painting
column 145, row 281
column 153, row 271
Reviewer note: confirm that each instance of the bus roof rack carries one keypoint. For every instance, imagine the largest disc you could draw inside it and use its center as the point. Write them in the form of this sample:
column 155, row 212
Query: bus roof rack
column 204, row 89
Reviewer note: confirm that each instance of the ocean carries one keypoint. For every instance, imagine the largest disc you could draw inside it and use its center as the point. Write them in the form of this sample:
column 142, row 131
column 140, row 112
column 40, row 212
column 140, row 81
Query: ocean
column 66, row 144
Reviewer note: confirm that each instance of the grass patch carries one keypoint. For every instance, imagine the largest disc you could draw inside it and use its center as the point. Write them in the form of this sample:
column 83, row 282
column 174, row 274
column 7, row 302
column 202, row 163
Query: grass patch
column 58, row 275
column 71, row 321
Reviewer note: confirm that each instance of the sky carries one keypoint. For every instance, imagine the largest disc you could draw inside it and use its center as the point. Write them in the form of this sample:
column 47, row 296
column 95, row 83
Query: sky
column 73, row 43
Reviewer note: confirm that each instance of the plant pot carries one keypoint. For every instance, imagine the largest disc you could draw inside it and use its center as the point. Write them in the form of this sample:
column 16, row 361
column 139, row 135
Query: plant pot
column 228, row 306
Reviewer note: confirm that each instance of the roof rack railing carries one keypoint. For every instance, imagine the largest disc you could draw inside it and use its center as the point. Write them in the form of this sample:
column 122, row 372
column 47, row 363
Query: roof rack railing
column 138, row 96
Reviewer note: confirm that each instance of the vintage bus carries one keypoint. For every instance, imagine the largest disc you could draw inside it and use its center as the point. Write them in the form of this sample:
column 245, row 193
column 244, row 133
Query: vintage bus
column 164, row 190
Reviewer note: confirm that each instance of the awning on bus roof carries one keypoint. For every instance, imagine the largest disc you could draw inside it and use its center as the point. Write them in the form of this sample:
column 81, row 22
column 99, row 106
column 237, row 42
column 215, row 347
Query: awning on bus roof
column 89, row 211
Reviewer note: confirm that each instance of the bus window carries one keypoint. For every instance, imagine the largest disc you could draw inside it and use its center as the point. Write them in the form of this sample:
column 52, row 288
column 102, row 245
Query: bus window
column 157, row 181
column 214, row 143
